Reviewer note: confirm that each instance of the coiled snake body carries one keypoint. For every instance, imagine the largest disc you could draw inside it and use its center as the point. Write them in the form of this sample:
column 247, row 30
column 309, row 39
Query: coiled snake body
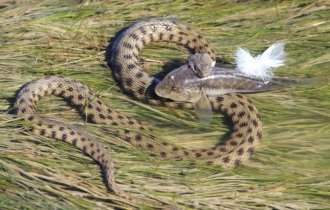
column 127, row 71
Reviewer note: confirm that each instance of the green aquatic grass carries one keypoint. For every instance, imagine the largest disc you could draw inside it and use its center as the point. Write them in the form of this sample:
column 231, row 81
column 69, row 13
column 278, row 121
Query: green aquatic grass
column 290, row 170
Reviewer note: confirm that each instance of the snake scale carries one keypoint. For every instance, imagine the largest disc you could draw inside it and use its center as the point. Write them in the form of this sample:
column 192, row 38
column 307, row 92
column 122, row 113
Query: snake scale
column 124, row 63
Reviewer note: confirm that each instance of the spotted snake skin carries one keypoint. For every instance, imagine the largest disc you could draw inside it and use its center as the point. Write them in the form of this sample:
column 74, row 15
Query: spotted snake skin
column 124, row 63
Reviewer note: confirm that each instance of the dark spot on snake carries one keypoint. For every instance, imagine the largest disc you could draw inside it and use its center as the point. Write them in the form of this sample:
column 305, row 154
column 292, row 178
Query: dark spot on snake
column 249, row 130
column 241, row 114
column 114, row 124
column 220, row 99
column 182, row 33
column 237, row 162
column 62, row 93
column 129, row 82
column 72, row 133
column 102, row 116
column 239, row 135
column 171, row 36
column 83, row 139
column 61, row 128
column 91, row 145
column 70, row 89
column 163, row 154
column 233, row 143
column 141, row 90
column 250, row 139
column 131, row 122
column 98, row 150
column 70, row 97
column 92, row 153
column 233, row 105
column 109, row 117
column 255, row 123
column 180, row 39
column 197, row 155
column 128, row 139
column 42, row 132
column 84, row 149
column 222, row 149
column 150, row 146
column 99, row 102
column 137, row 48
column 240, row 151
column 250, row 151
column 174, row 149
column 143, row 42
column 128, row 56
column 161, row 36
column 139, row 75
column 135, row 56
column 131, row 66
column 134, row 36
column 120, row 117
column 239, row 95
column 74, row 142
column 199, row 36
column 206, row 45
column 21, row 101
column 98, row 109
column 243, row 124
column 53, row 134
column 138, row 137
column 186, row 153
column 259, row 134
column 188, row 43
column 251, row 108
column 165, row 144
column 226, row 159
column 90, row 117
column 241, row 102
column 128, row 45
column 209, row 153
column 194, row 40
column 142, row 30
column 126, row 131
column 50, row 126
column 64, row 136
column 23, row 110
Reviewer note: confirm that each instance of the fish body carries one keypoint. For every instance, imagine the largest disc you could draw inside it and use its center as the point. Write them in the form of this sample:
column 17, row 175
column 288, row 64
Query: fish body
column 182, row 84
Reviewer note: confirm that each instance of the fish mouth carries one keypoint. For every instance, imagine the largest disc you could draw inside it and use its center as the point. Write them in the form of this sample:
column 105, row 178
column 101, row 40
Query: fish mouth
column 162, row 91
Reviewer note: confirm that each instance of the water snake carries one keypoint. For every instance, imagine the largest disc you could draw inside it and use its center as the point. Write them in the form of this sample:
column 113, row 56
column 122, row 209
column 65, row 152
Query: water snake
column 124, row 63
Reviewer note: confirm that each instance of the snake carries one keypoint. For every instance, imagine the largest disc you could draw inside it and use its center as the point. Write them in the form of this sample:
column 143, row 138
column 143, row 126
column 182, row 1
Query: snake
column 124, row 63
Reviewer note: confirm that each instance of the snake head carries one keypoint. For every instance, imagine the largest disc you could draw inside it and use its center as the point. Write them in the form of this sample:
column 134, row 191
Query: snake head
column 201, row 64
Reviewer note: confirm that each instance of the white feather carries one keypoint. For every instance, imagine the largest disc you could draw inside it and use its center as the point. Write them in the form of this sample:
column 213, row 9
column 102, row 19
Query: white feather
column 262, row 65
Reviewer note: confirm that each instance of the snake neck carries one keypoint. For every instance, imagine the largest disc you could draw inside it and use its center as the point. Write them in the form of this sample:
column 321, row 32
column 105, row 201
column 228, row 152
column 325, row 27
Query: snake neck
column 125, row 51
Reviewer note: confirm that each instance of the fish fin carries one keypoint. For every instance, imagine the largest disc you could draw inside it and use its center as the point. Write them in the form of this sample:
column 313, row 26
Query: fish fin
column 203, row 109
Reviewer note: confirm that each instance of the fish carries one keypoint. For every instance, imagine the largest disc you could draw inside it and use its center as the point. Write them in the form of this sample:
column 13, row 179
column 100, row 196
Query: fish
column 183, row 84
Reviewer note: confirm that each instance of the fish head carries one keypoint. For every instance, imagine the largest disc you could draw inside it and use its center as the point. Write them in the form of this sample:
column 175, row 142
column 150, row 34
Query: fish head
column 173, row 86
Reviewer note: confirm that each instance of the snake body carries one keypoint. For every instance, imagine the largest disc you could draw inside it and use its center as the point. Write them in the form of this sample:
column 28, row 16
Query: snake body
column 124, row 63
